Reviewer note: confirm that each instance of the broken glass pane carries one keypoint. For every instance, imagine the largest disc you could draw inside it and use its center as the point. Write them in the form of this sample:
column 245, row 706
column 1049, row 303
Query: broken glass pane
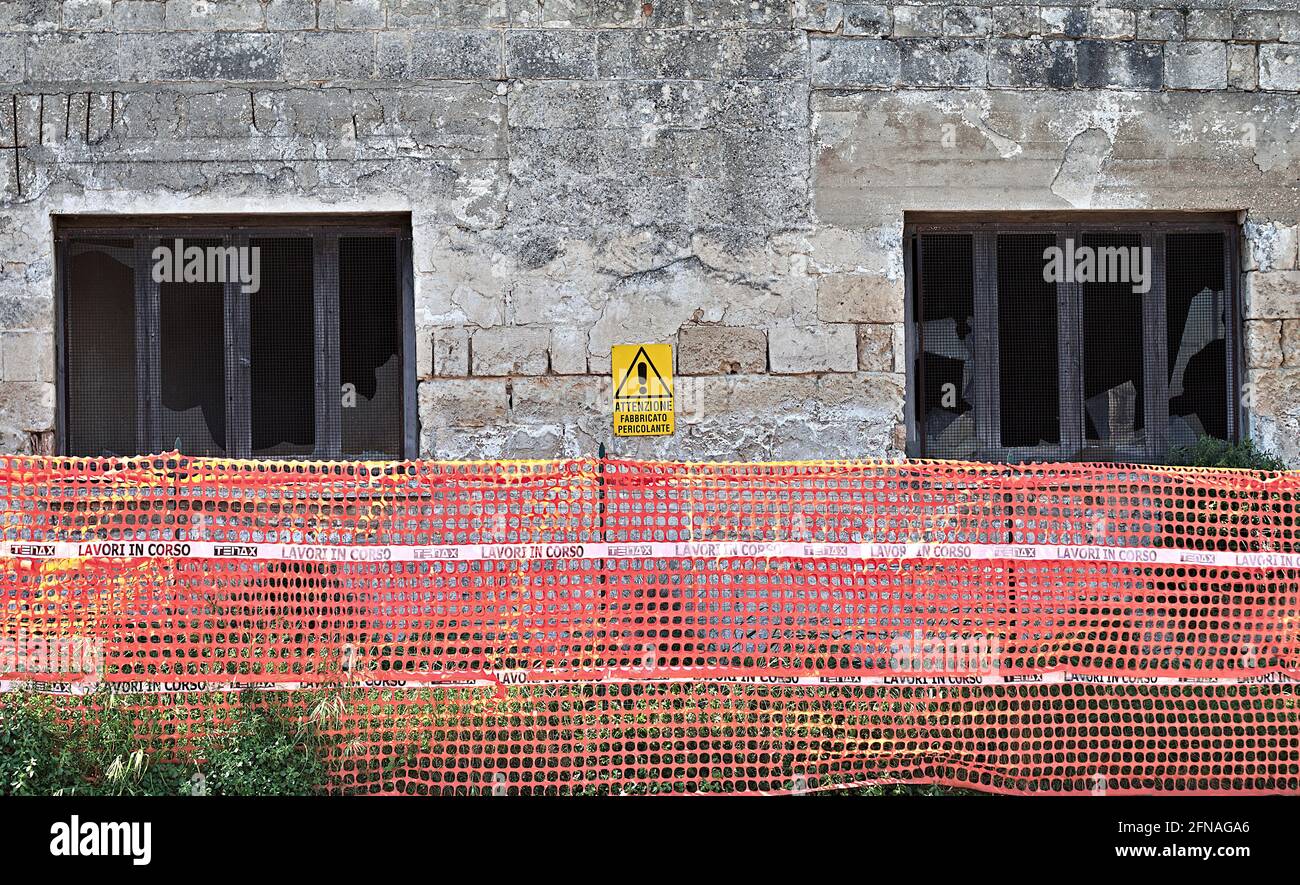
column 948, row 345
column 1108, row 268
column 1196, row 314
column 370, row 339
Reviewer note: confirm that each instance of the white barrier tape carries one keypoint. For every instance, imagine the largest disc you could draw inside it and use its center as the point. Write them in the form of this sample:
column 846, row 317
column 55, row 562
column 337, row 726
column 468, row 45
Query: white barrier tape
column 544, row 678
column 362, row 553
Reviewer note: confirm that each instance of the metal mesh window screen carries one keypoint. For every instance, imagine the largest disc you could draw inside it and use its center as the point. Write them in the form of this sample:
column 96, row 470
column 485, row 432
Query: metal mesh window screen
column 284, row 341
column 1077, row 341
column 282, row 349
column 1113, row 349
column 191, row 353
column 99, row 333
column 370, row 346
column 1028, row 343
column 1197, row 316
column 948, row 337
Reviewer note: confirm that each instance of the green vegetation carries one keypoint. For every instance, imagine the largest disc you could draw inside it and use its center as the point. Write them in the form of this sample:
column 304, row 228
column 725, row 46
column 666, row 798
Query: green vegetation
column 382, row 740
column 41, row 754
column 50, row 746
column 263, row 752
column 1210, row 452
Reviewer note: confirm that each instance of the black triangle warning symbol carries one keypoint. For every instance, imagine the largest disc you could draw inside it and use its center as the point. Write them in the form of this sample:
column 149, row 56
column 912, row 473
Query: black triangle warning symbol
column 638, row 380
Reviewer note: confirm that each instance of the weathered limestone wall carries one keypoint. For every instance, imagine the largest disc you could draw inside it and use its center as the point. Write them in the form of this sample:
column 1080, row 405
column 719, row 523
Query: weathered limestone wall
column 729, row 176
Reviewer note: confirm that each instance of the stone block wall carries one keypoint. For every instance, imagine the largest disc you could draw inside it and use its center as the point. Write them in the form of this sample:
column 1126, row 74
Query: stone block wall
column 729, row 176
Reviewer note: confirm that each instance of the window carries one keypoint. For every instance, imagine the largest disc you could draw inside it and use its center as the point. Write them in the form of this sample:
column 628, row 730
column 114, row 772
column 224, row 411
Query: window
column 263, row 337
column 1084, row 338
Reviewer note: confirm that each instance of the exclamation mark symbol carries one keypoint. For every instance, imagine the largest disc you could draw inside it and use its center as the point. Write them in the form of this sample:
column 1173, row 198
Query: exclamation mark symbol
column 641, row 376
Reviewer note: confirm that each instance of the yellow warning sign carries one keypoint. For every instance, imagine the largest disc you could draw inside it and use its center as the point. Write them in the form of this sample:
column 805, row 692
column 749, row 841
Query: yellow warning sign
column 643, row 390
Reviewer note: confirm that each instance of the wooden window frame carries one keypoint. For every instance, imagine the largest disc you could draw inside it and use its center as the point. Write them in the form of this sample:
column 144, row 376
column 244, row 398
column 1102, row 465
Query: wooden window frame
column 1153, row 229
column 324, row 232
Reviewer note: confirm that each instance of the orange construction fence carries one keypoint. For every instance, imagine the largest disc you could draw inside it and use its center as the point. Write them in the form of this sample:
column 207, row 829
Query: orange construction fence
column 623, row 626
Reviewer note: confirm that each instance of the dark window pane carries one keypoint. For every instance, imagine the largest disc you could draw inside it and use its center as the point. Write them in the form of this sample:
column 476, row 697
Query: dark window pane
column 282, row 344
column 191, row 350
column 370, row 347
column 1196, row 313
column 100, row 335
column 1028, row 346
column 1113, row 351
column 948, row 342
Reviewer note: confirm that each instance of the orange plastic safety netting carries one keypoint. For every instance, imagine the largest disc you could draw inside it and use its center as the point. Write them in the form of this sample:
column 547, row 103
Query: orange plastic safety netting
column 621, row 626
